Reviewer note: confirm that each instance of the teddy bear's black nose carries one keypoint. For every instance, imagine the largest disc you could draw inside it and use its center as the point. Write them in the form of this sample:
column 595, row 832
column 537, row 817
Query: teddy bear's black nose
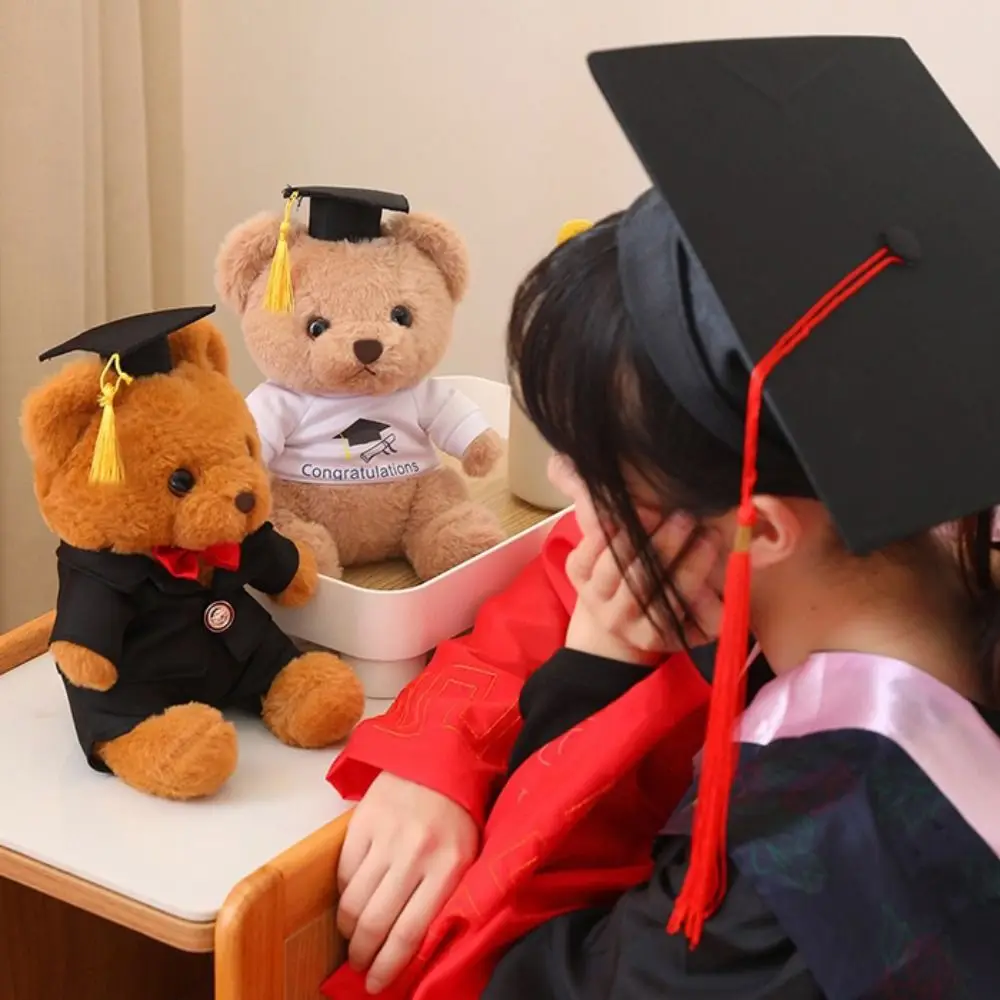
column 245, row 502
column 367, row 351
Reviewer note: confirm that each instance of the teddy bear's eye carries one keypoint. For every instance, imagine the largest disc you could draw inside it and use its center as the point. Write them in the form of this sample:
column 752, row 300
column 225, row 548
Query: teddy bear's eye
column 251, row 447
column 317, row 325
column 181, row 481
column 401, row 315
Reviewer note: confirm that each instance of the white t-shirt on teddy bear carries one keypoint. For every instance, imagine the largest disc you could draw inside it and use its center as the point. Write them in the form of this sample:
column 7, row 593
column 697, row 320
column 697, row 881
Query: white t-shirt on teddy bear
column 362, row 439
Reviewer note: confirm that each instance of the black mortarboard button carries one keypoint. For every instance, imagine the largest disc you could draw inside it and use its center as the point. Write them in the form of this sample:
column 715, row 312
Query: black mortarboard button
column 903, row 243
column 352, row 214
column 779, row 164
column 139, row 341
column 362, row 431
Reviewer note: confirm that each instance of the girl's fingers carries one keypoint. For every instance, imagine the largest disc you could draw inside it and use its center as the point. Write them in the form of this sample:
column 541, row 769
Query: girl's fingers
column 360, row 889
column 610, row 566
column 674, row 538
column 580, row 562
column 357, row 844
column 380, row 913
column 690, row 574
column 612, row 582
column 694, row 606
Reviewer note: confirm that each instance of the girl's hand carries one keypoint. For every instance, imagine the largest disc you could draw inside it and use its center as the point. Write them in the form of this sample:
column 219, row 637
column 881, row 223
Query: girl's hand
column 406, row 849
column 610, row 620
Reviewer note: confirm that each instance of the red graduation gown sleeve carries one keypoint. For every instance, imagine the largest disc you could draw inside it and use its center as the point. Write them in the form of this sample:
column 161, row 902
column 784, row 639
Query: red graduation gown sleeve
column 571, row 829
column 452, row 729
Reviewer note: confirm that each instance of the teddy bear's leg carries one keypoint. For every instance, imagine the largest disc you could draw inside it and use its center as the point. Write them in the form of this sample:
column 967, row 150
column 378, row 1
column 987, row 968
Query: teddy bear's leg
column 314, row 702
column 446, row 527
column 314, row 536
column 188, row 752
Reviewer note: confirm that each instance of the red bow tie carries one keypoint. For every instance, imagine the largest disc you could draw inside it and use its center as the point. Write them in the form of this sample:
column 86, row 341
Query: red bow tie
column 186, row 564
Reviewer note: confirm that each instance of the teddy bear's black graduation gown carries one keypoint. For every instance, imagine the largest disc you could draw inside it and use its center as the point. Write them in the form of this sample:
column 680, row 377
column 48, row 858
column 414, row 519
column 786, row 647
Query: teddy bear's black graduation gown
column 171, row 639
column 854, row 875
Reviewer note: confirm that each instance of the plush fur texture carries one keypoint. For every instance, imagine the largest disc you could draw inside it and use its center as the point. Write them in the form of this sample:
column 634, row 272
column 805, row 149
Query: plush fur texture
column 421, row 262
column 193, row 418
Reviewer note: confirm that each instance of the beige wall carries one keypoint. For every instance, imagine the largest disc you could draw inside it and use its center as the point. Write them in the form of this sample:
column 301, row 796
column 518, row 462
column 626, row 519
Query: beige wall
column 480, row 110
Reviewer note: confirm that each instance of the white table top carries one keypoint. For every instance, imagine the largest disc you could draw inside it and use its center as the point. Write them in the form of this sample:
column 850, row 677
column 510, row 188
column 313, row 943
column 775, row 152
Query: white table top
column 182, row 858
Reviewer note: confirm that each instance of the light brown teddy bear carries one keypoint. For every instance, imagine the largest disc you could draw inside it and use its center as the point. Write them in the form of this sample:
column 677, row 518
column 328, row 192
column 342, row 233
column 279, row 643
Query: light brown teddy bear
column 147, row 467
column 346, row 320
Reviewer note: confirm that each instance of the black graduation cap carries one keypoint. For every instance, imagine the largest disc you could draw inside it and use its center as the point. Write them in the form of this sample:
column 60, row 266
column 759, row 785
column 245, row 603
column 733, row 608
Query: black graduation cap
column 781, row 165
column 352, row 214
column 363, row 431
column 139, row 341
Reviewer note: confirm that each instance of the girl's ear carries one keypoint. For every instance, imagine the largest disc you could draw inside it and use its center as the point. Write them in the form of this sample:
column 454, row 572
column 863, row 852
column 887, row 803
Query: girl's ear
column 778, row 531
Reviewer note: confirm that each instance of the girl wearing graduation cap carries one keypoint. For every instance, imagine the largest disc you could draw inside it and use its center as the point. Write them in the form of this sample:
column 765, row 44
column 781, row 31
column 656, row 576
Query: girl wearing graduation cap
column 781, row 346
column 789, row 334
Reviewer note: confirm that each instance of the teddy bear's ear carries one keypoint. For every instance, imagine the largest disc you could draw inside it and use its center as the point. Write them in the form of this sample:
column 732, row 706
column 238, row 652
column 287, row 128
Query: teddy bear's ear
column 245, row 255
column 56, row 414
column 202, row 344
column 438, row 241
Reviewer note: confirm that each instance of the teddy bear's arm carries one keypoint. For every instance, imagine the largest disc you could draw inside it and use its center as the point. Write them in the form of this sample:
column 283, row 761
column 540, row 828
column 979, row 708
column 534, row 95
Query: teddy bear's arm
column 481, row 457
column 453, row 422
column 270, row 560
column 83, row 667
column 89, row 629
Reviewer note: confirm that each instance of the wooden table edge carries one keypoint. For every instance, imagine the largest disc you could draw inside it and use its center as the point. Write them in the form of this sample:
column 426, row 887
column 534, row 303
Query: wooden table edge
column 185, row 935
column 25, row 642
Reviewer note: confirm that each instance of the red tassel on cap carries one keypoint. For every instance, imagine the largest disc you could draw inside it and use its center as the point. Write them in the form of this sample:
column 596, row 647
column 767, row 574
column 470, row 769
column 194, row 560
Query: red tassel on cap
column 705, row 883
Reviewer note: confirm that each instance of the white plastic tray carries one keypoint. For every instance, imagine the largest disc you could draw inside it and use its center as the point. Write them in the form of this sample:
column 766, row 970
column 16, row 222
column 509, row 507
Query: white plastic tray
column 387, row 635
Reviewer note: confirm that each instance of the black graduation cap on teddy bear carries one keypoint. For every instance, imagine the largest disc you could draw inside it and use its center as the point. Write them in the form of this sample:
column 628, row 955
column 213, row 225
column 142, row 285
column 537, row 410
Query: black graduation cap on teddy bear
column 336, row 214
column 131, row 347
column 352, row 214
column 139, row 342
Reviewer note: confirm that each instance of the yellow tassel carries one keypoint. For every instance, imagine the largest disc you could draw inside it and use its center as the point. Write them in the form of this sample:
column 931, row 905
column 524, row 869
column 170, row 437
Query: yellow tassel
column 572, row 228
column 106, row 466
column 279, row 297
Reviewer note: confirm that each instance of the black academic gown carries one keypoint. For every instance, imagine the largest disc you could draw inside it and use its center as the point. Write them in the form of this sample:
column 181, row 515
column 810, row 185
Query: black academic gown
column 625, row 953
column 172, row 640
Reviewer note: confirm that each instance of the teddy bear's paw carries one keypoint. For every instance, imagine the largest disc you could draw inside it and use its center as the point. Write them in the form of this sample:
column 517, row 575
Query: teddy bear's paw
column 454, row 537
column 83, row 667
column 188, row 752
column 304, row 583
column 315, row 701
column 481, row 457
column 312, row 536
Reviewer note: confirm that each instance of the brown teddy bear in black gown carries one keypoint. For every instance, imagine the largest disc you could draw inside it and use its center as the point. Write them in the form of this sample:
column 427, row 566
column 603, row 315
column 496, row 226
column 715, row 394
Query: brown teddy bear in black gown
column 147, row 467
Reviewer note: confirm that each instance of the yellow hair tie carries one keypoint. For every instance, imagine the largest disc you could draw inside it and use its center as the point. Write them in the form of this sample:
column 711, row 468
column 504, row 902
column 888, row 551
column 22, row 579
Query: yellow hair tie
column 106, row 466
column 279, row 297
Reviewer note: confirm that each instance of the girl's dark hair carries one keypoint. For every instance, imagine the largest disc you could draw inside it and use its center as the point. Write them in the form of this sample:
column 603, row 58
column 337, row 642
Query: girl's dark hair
column 587, row 382
column 976, row 550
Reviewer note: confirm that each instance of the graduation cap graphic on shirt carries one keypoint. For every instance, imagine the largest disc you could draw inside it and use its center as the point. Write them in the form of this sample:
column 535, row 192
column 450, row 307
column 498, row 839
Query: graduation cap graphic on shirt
column 362, row 433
